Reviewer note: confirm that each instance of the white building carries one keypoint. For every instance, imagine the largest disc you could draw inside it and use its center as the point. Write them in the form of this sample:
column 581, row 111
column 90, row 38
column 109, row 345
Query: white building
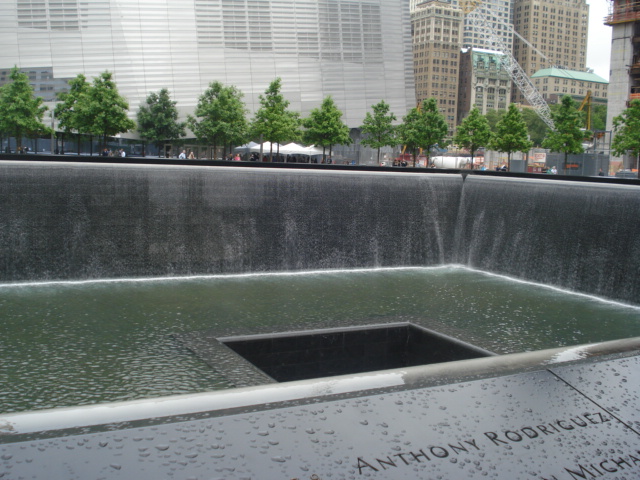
column 357, row 51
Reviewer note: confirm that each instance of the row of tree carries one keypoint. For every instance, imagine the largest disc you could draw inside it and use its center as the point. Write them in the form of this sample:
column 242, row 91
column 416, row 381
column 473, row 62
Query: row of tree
column 511, row 133
column 220, row 119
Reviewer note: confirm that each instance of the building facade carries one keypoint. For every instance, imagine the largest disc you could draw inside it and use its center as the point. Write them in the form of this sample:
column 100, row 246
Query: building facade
column 357, row 51
column 555, row 83
column 624, row 81
column 437, row 35
column 557, row 29
column 499, row 14
column 484, row 83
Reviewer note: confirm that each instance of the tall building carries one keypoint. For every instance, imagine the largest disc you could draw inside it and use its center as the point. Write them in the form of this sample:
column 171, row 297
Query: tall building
column 498, row 14
column 484, row 83
column 358, row 51
column 624, row 78
column 557, row 29
column 437, row 35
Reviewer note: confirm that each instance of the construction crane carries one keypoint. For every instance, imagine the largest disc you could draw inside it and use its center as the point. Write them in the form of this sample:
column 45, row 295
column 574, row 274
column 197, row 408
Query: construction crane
column 473, row 9
column 587, row 103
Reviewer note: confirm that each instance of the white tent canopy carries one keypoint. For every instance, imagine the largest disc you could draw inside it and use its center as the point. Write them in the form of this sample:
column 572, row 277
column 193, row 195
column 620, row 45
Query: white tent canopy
column 292, row 148
column 289, row 149
column 246, row 147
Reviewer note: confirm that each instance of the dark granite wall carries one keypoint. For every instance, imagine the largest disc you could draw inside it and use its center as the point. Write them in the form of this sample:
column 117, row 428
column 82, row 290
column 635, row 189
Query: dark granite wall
column 61, row 221
column 82, row 221
column 576, row 235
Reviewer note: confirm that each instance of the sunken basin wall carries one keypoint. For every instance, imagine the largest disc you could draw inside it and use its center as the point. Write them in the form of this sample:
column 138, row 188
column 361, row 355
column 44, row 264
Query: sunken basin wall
column 581, row 236
column 85, row 221
column 73, row 221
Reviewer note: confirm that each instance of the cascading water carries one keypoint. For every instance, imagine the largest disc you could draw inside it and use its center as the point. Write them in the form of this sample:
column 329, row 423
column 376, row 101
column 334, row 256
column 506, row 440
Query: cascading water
column 579, row 236
column 86, row 222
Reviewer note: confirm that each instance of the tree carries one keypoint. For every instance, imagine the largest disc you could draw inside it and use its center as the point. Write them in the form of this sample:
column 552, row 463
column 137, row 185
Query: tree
column 511, row 134
column 220, row 116
column 378, row 128
column 104, row 110
column 21, row 111
column 324, row 127
column 474, row 132
column 493, row 117
column 535, row 126
column 626, row 127
column 69, row 112
column 423, row 127
column 567, row 137
column 599, row 117
column 273, row 121
column 158, row 119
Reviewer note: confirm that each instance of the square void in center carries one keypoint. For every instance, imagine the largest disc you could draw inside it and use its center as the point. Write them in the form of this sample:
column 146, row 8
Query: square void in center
column 323, row 353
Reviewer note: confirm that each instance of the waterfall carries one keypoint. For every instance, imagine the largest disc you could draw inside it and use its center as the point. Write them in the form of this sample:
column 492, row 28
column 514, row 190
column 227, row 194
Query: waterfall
column 63, row 221
column 575, row 235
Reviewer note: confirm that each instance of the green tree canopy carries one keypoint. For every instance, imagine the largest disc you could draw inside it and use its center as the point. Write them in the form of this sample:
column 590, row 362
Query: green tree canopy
column 220, row 116
column 567, row 137
column 535, row 126
column 158, row 119
column 626, row 127
column 493, row 117
column 21, row 111
column 599, row 117
column 324, row 127
column 104, row 110
column 273, row 121
column 473, row 132
column 511, row 134
column 423, row 127
column 68, row 111
column 378, row 128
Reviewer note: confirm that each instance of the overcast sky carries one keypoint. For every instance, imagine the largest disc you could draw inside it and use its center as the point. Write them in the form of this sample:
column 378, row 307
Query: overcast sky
column 599, row 41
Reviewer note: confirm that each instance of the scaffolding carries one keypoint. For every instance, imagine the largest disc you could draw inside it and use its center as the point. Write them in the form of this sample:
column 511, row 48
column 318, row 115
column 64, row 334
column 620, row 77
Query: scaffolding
column 623, row 11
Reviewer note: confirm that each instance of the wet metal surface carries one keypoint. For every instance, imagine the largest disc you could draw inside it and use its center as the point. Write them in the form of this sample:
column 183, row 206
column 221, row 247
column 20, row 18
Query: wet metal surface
column 536, row 425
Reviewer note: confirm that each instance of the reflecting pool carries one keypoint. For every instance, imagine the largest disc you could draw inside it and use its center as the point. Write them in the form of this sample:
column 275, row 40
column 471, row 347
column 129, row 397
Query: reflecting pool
column 82, row 343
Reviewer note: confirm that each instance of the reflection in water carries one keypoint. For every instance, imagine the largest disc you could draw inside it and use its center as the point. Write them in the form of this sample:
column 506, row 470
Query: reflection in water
column 76, row 344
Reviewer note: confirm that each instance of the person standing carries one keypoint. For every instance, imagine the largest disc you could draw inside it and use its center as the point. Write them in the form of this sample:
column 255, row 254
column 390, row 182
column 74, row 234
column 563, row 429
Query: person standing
column 183, row 155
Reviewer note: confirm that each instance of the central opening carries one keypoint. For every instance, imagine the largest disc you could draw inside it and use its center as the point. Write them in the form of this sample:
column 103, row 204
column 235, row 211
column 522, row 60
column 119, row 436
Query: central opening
column 323, row 353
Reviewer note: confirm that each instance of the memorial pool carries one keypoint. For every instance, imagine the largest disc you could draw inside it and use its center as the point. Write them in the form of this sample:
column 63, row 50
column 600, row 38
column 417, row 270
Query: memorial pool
column 68, row 344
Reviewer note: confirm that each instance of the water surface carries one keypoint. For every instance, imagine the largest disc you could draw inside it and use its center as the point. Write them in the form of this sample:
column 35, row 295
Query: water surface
column 83, row 343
